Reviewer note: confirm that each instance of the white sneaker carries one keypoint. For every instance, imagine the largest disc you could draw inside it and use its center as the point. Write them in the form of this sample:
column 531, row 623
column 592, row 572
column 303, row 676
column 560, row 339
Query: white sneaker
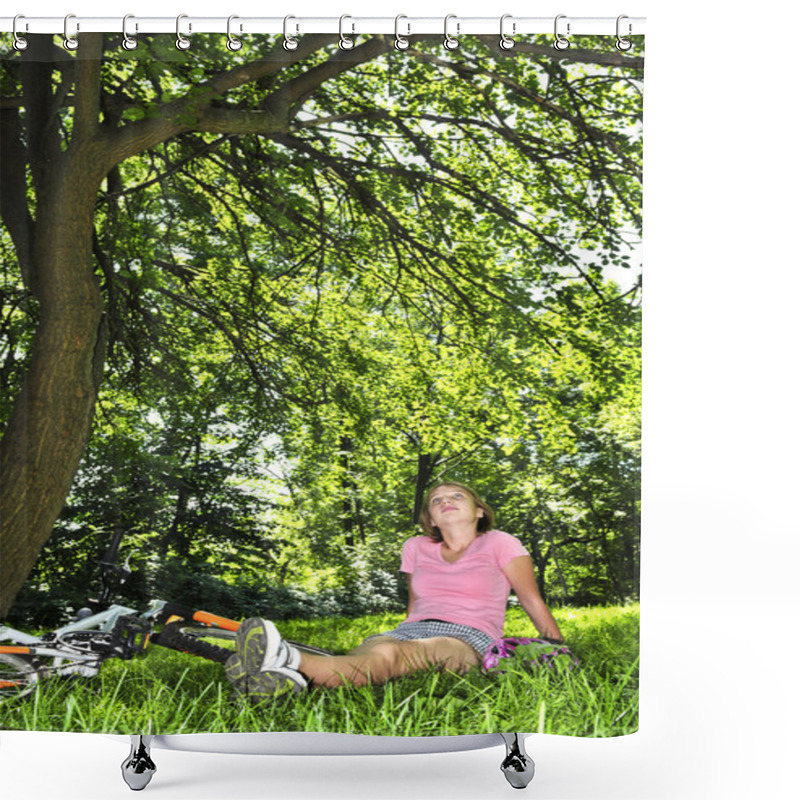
column 263, row 662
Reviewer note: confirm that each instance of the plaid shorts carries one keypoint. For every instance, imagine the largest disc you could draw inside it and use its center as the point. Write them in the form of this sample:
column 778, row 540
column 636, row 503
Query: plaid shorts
column 428, row 628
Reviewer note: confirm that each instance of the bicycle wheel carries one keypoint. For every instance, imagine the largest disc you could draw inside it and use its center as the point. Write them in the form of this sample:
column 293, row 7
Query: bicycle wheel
column 18, row 675
column 215, row 644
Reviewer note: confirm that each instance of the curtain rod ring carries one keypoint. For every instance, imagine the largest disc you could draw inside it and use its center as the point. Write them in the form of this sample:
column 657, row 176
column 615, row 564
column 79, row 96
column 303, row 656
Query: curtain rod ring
column 401, row 42
column 70, row 42
column 450, row 42
column 506, row 42
column 129, row 42
column 289, row 43
column 346, row 42
column 20, row 42
column 561, row 42
column 623, row 44
column 182, row 42
column 233, row 44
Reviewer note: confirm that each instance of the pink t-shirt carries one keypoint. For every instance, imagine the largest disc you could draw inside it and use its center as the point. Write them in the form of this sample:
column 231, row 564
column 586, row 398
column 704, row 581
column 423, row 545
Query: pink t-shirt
column 472, row 591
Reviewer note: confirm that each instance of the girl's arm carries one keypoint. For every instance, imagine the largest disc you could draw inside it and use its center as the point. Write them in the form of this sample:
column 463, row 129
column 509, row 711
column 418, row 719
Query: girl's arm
column 410, row 596
column 522, row 578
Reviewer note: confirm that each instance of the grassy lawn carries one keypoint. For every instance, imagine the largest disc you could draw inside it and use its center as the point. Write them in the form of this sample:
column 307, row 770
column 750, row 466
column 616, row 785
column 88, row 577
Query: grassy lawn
column 169, row 692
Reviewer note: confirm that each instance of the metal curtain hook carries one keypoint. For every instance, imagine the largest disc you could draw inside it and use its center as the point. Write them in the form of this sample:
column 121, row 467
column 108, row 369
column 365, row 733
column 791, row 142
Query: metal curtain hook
column 182, row 43
column 70, row 42
column 623, row 44
column 288, row 42
column 233, row 44
column 506, row 42
column 20, row 42
column 128, row 42
column 561, row 43
column 346, row 42
column 400, row 42
column 450, row 42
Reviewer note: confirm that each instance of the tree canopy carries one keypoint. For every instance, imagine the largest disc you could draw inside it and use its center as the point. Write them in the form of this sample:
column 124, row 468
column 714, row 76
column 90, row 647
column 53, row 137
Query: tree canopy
column 255, row 303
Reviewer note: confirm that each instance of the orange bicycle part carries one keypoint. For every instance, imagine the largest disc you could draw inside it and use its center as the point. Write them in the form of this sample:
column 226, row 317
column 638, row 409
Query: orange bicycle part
column 208, row 619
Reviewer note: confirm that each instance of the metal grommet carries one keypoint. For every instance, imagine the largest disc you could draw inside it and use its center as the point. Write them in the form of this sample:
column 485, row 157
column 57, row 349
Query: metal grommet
column 346, row 42
column 182, row 42
column 506, row 42
column 288, row 42
column 450, row 42
column 623, row 44
column 233, row 44
column 400, row 42
column 20, row 42
column 70, row 42
column 128, row 42
column 561, row 42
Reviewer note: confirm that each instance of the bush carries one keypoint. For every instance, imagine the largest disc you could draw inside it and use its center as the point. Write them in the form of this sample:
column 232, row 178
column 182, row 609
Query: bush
column 374, row 593
column 35, row 607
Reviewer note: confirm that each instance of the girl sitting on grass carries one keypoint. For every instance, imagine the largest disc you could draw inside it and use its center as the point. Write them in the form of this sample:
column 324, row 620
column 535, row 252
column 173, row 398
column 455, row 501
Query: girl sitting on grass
column 459, row 578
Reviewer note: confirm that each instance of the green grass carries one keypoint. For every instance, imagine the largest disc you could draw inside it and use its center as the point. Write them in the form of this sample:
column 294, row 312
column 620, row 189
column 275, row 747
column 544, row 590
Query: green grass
column 169, row 692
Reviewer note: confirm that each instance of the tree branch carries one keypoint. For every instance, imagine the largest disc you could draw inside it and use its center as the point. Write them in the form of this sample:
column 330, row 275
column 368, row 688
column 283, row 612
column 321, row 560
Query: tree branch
column 195, row 112
column 426, row 253
column 235, row 122
column 41, row 109
column 468, row 72
column 13, row 198
column 296, row 91
column 86, row 117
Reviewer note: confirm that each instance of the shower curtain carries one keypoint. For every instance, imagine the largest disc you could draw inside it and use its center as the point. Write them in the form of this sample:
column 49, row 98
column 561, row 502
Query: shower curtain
column 259, row 296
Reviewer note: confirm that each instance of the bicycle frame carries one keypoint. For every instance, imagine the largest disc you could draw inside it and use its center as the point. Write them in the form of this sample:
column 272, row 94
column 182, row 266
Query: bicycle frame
column 69, row 658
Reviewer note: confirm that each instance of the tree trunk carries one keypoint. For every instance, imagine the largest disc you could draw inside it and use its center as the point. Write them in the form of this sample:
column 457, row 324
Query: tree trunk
column 50, row 423
column 351, row 507
column 426, row 463
column 540, row 561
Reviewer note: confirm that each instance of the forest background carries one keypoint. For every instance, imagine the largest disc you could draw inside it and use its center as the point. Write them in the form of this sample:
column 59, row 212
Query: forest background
column 303, row 289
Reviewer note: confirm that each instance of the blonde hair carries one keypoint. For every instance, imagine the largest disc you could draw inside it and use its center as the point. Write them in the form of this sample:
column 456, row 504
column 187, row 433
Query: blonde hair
column 485, row 523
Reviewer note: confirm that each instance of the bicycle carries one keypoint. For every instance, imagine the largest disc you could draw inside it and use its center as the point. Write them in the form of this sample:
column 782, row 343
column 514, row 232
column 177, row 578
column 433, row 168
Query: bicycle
column 112, row 631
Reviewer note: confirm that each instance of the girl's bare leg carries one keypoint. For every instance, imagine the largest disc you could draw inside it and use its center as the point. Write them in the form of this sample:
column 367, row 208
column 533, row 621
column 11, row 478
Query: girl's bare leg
column 381, row 658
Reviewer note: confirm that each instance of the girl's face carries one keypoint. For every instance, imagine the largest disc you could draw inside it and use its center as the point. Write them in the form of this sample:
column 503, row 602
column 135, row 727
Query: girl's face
column 449, row 504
